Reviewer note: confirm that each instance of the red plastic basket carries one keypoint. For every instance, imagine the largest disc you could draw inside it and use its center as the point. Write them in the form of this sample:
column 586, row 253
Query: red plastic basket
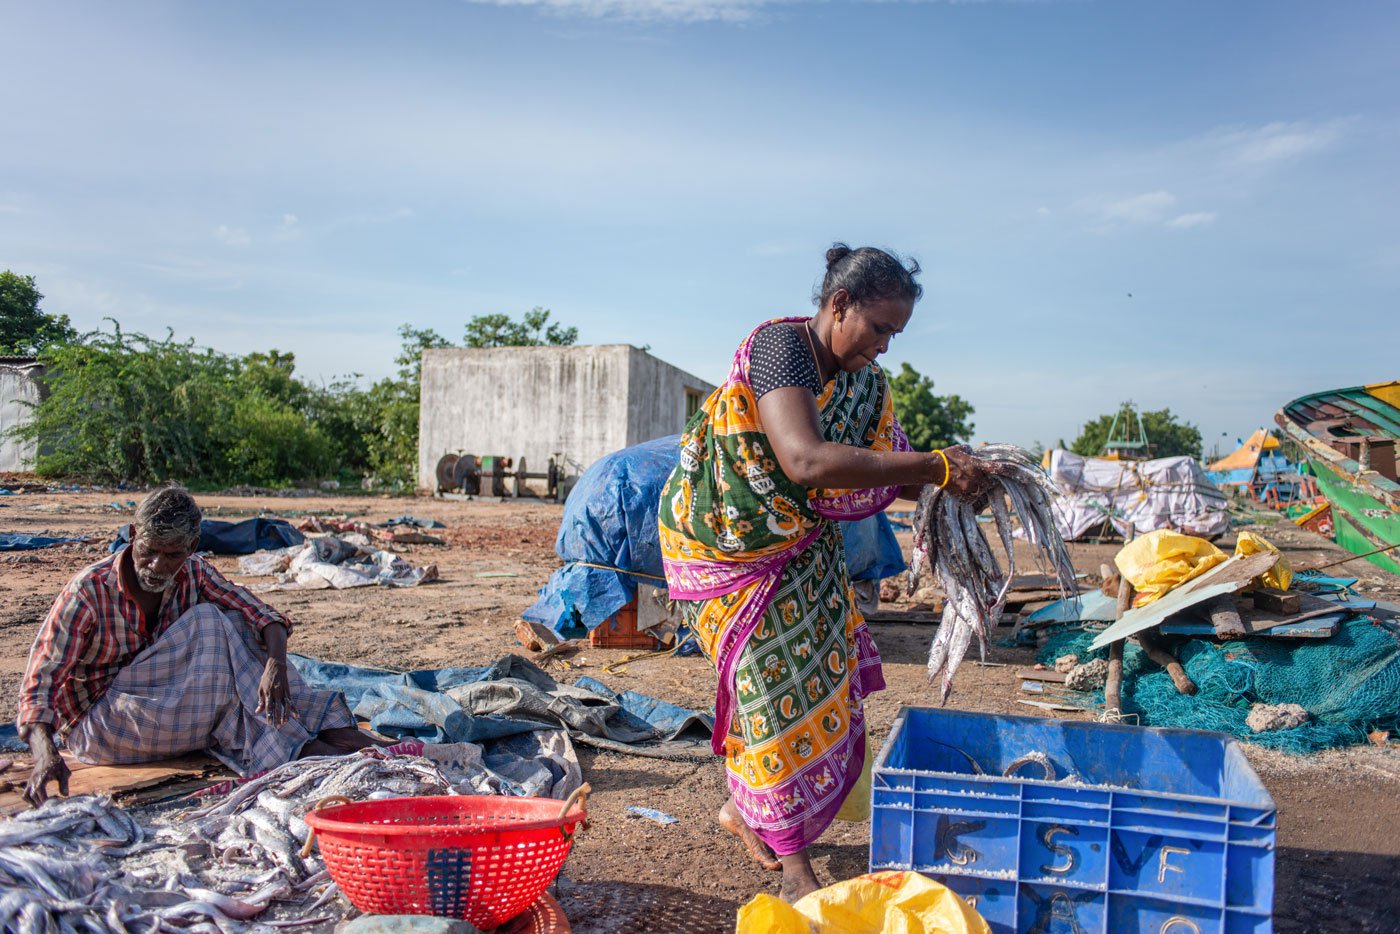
column 480, row 858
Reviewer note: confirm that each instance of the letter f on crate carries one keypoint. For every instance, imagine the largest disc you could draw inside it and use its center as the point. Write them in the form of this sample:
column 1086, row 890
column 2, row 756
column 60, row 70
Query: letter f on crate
column 1163, row 863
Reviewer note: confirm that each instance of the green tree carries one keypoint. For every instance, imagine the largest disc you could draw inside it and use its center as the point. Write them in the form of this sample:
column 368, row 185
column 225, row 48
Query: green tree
column 930, row 421
column 24, row 328
column 387, row 413
column 534, row 330
column 1167, row 436
column 415, row 341
column 124, row 406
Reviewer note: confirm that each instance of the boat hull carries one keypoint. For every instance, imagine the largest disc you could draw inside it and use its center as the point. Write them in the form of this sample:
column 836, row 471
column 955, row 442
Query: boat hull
column 1327, row 427
column 1361, row 523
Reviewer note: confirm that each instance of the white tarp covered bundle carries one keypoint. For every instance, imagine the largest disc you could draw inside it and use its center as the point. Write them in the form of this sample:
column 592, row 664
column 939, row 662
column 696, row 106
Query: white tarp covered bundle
column 337, row 562
column 1098, row 494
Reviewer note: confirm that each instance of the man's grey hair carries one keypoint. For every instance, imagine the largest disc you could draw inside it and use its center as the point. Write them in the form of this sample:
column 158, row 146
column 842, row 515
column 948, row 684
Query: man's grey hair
column 168, row 515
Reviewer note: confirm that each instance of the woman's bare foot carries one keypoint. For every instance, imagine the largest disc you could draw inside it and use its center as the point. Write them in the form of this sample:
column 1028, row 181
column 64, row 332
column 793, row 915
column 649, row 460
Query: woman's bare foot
column 730, row 820
column 798, row 877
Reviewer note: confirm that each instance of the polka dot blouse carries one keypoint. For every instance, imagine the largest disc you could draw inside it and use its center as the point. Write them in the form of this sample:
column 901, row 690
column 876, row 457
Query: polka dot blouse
column 780, row 358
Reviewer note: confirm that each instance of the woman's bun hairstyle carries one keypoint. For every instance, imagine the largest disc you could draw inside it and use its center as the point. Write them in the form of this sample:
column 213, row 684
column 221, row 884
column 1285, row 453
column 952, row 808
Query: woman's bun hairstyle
column 867, row 274
column 838, row 252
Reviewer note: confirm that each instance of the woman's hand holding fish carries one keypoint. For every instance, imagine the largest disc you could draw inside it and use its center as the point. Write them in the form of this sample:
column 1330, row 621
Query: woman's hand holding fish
column 968, row 477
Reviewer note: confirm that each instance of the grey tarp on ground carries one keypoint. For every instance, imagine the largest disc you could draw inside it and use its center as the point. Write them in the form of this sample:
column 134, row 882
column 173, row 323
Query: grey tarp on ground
column 507, row 698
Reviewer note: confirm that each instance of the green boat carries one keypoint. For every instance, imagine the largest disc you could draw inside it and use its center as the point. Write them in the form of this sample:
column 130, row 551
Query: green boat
column 1349, row 438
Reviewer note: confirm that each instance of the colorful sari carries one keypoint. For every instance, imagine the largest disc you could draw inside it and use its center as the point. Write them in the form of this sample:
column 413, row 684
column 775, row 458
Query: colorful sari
column 770, row 602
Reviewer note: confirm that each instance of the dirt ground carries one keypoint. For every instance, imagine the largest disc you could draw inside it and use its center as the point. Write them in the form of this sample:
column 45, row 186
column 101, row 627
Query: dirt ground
column 1339, row 849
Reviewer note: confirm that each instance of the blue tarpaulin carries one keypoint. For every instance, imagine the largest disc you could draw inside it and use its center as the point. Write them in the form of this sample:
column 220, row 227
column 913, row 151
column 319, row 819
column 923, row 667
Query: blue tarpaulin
column 610, row 519
column 508, row 697
column 235, row 538
column 18, row 541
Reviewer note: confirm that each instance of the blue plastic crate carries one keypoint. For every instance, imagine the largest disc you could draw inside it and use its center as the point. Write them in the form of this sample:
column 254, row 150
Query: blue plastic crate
column 1054, row 825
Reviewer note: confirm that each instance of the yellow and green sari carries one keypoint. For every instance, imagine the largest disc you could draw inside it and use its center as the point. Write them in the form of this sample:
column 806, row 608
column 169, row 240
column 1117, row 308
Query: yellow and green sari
column 760, row 561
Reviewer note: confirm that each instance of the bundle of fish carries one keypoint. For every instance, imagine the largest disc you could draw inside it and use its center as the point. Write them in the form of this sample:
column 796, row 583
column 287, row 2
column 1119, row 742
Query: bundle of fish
column 82, row 864
column 948, row 540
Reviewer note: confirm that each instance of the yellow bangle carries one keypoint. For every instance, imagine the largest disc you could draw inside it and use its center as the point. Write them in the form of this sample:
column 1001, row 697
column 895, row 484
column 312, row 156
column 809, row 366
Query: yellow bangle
column 947, row 470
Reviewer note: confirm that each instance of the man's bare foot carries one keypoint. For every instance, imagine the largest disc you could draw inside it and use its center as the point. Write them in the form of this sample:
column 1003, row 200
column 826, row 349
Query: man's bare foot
column 798, row 877
column 730, row 820
column 319, row 747
column 347, row 738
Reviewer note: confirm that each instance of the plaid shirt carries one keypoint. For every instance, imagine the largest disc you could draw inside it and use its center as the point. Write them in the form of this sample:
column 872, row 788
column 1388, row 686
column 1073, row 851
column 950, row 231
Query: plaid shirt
column 95, row 629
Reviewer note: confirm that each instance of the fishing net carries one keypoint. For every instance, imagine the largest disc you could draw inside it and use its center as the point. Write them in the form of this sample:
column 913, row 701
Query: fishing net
column 1350, row 684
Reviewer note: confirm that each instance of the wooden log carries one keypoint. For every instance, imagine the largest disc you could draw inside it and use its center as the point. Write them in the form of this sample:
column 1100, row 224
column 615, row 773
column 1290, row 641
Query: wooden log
column 535, row 636
column 1113, row 687
column 1158, row 652
column 1277, row 601
column 1224, row 617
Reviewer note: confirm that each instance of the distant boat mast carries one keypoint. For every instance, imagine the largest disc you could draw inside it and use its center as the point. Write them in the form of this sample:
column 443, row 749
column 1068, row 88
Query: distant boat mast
column 1127, row 438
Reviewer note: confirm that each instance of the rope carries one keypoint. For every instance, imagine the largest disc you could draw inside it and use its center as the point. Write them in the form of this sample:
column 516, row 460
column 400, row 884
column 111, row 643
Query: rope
column 607, row 567
column 641, row 655
column 1352, row 558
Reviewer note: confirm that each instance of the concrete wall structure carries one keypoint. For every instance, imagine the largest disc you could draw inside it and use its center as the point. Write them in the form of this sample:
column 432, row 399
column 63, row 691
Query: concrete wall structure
column 535, row 402
column 19, row 389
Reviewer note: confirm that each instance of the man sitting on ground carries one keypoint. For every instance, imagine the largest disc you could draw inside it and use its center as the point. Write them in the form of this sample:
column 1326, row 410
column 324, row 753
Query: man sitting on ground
column 151, row 653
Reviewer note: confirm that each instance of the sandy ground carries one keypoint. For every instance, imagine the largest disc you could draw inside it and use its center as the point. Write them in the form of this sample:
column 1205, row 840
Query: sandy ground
column 1339, row 849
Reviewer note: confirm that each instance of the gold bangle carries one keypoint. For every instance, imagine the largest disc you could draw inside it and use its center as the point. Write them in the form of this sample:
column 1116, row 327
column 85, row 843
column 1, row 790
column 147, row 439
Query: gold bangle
column 947, row 470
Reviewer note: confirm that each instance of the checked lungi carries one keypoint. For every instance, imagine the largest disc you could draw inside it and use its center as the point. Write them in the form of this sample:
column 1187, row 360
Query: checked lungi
column 196, row 688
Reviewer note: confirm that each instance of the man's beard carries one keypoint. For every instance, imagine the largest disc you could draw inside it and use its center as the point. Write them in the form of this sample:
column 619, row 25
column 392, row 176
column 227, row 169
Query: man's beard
column 153, row 584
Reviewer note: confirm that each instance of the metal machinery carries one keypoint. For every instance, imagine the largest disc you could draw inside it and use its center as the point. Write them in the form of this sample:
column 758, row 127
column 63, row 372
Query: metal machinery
column 492, row 475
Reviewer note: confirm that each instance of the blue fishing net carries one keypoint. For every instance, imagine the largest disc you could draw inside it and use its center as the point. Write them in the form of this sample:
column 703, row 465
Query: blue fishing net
column 1350, row 684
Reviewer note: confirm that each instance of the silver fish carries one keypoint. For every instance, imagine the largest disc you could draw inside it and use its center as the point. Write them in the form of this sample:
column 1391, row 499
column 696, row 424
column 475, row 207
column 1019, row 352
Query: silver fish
column 949, row 541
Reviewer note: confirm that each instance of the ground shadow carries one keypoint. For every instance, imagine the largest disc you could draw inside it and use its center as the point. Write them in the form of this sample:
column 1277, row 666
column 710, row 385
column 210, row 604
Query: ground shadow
column 1335, row 890
column 611, row 906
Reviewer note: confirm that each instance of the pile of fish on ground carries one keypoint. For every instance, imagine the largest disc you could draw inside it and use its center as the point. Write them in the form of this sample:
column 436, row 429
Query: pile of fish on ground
column 948, row 540
column 83, row 864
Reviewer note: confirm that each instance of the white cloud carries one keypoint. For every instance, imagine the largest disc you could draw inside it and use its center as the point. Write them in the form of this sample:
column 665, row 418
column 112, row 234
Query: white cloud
column 684, row 11
column 1042, row 211
column 289, row 220
column 1277, row 142
column 1187, row 221
column 10, row 209
column 1146, row 208
column 232, row 236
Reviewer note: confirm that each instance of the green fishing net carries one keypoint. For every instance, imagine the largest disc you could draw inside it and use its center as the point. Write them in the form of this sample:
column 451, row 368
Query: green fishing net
column 1350, row 684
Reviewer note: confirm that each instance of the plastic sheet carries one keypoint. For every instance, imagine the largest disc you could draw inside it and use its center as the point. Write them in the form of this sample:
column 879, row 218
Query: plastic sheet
column 877, row 903
column 1161, row 560
column 235, row 538
column 1281, row 574
column 1099, row 495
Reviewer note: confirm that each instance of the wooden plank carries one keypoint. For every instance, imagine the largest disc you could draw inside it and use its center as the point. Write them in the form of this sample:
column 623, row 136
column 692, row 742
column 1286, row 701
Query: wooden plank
column 1021, row 597
column 1227, row 578
column 1036, row 674
column 1276, row 601
column 905, row 616
column 1046, row 705
column 107, row 779
column 1224, row 617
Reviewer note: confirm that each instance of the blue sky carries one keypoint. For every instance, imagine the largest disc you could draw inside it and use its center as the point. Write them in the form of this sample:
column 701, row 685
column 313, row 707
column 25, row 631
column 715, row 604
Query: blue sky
column 668, row 172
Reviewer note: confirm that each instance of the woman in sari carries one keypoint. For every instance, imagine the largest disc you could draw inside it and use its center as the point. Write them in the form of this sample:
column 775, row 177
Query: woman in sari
column 802, row 433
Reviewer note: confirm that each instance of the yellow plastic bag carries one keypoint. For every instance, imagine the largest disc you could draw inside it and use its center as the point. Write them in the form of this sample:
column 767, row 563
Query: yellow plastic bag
column 1280, row 575
column 878, row 903
column 1164, row 559
column 856, row 807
